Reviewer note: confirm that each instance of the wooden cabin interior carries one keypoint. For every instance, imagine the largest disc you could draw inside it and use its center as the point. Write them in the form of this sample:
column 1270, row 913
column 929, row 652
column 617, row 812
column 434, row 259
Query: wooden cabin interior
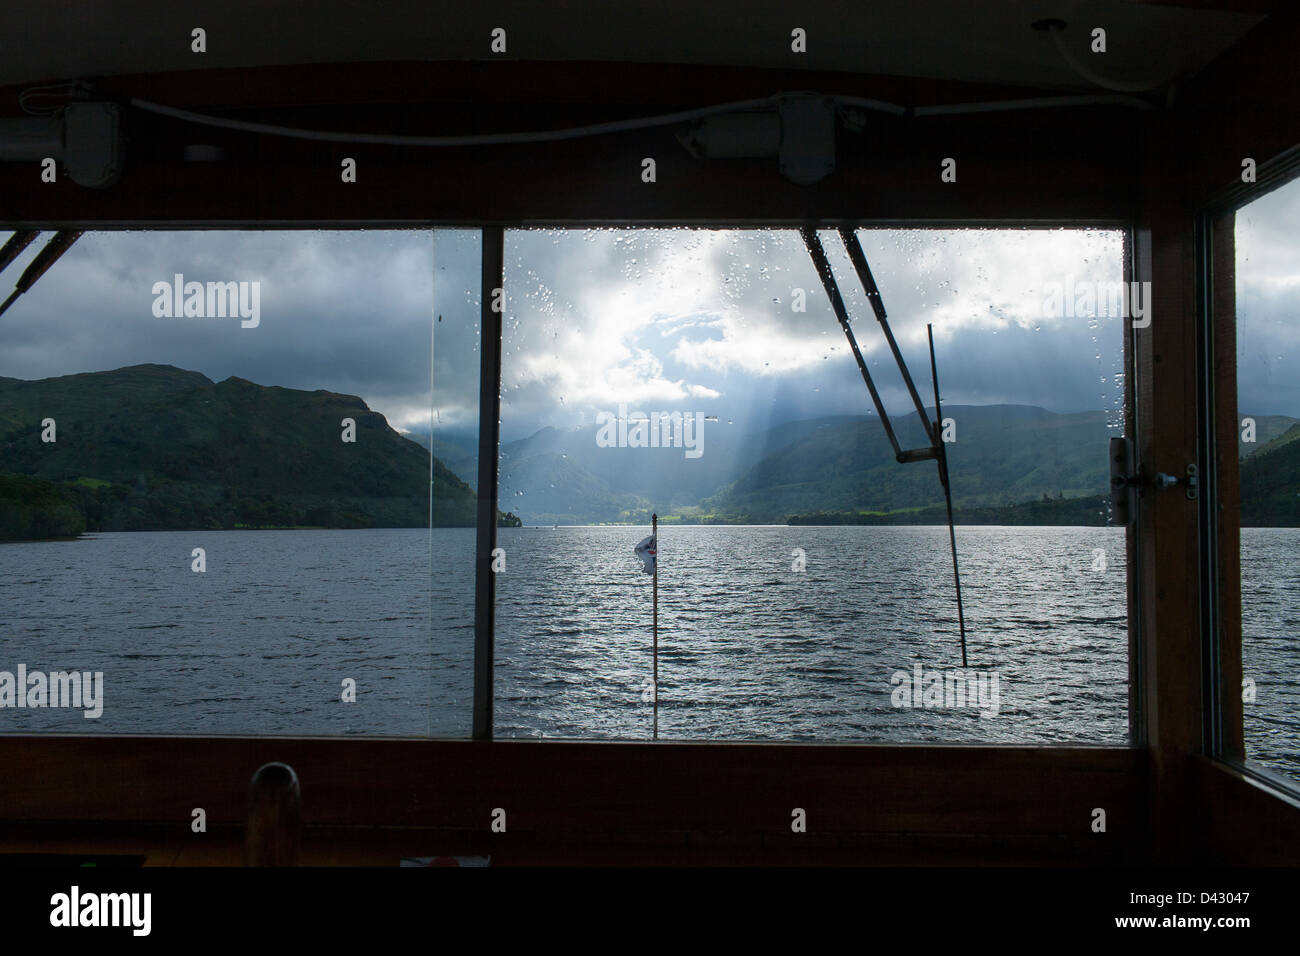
column 1194, row 89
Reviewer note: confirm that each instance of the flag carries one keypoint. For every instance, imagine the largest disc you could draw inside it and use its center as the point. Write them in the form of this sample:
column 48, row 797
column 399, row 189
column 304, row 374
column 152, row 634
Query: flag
column 646, row 552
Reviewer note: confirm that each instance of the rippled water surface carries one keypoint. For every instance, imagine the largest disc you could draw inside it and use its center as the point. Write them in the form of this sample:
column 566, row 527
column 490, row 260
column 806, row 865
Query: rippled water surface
column 1270, row 645
column 749, row 647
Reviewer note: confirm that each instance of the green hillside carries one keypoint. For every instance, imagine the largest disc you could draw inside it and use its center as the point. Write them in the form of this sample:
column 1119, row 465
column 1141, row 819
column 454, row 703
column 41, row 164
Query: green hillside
column 1090, row 511
column 151, row 447
column 31, row 509
column 1003, row 455
column 1269, row 429
column 1270, row 484
column 1011, row 464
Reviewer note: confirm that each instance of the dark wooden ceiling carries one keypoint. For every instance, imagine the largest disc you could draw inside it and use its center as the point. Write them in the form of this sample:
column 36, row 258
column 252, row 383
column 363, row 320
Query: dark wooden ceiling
column 985, row 42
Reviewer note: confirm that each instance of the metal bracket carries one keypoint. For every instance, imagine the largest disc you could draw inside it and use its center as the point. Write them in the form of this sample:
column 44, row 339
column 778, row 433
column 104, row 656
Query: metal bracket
column 1190, row 482
column 935, row 451
column 85, row 137
column 1124, row 481
column 800, row 132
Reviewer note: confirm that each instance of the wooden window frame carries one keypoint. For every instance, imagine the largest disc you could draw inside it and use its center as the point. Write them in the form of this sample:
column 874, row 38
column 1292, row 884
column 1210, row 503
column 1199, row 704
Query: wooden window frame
column 1169, row 795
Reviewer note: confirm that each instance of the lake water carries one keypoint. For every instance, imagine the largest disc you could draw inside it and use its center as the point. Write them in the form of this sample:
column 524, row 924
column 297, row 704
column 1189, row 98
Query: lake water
column 751, row 647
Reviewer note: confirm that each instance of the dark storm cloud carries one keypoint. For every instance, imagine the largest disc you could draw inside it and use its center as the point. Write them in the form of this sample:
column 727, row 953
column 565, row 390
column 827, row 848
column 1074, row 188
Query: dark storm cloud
column 657, row 319
column 346, row 311
column 701, row 320
column 1268, row 304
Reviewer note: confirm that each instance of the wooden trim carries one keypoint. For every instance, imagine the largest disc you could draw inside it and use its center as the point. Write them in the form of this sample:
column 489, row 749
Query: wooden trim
column 1236, row 108
column 1234, row 6
column 733, row 801
column 492, row 268
column 1244, row 104
column 1227, row 482
column 1168, row 532
column 1137, row 266
column 1243, row 820
column 642, row 88
column 639, row 796
column 1036, row 166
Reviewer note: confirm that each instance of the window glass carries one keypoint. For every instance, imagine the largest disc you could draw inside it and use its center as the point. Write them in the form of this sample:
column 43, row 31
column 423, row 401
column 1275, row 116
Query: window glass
column 215, row 487
column 804, row 579
column 1268, row 402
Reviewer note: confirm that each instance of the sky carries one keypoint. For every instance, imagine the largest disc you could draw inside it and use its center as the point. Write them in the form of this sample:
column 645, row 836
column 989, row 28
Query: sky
column 1268, row 303
column 700, row 320
column 690, row 320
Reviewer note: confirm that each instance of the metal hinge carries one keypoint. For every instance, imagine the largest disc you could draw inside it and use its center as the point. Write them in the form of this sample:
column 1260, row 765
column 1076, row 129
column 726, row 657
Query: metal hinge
column 1124, row 481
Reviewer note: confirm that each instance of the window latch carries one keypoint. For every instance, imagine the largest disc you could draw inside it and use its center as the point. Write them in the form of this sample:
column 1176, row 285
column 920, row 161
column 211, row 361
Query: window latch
column 1127, row 482
column 1189, row 481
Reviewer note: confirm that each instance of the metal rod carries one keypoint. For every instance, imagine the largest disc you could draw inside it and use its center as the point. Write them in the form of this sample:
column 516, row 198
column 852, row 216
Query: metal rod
column 49, row 255
column 823, row 267
column 859, row 260
column 654, row 538
column 947, row 491
column 489, row 433
column 433, row 384
column 933, row 431
column 19, row 241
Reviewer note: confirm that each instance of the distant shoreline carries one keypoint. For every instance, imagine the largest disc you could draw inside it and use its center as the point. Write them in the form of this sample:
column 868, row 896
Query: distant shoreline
column 91, row 535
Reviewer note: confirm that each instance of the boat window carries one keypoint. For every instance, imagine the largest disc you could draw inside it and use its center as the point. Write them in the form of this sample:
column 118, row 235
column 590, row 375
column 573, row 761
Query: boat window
column 242, row 471
column 1268, row 401
column 718, row 540
column 216, row 484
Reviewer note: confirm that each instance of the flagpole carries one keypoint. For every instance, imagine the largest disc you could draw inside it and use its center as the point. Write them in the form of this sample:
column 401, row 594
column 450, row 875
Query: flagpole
column 654, row 536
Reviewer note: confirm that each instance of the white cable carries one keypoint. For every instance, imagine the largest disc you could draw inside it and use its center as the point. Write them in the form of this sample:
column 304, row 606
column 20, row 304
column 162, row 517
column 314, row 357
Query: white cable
column 70, row 90
column 480, row 139
column 1090, row 99
column 598, row 129
column 867, row 104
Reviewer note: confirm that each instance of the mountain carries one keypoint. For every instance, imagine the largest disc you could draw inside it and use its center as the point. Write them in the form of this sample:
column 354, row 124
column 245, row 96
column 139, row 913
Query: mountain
column 1010, row 465
column 1014, row 464
column 152, row 447
column 1270, row 483
column 156, row 447
column 1001, row 455
column 1091, row 510
column 1268, row 428
column 557, row 476
column 458, row 450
